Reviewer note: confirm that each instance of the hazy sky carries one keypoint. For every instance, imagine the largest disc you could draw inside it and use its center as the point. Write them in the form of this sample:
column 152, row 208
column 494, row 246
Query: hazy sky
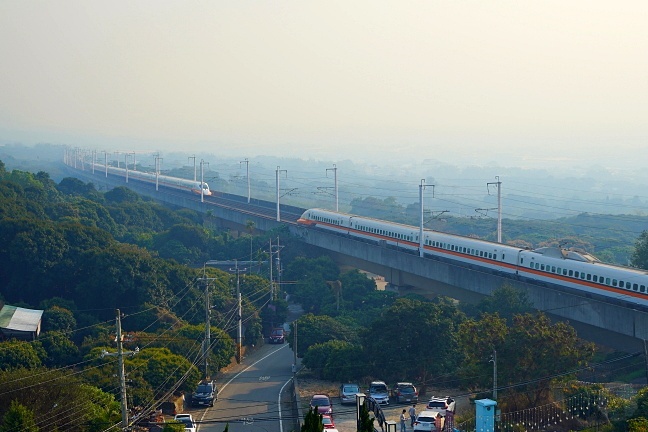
column 522, row 82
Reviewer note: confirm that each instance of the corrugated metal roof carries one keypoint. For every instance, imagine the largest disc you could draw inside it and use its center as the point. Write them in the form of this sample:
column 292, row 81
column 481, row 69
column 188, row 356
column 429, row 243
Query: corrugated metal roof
column 20, row 319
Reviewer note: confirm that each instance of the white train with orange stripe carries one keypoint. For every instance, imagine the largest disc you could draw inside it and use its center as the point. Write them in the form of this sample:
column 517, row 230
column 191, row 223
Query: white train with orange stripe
column 569, row 269
column 162, row 180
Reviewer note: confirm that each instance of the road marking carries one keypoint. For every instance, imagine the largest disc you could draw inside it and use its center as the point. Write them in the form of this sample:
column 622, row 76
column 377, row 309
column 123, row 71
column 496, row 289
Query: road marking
column 279, row 405
column 236, row 376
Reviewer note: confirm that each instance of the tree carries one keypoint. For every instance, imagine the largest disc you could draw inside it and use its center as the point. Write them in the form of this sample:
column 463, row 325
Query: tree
column 312, row 422
column 335, row 360
column 18, row 418
column 58, row 319
column 59, row 398
column 173, row 426
column 506, row 301
column 638, row 424
column 640, row 254
column 20, row 354
column 366, row 422
column 313, row 329
column 421, row 337
column 61, row 351
column 532, row 351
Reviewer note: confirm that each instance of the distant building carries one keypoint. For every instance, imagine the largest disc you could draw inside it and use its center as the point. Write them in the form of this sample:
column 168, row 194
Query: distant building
column 20, row 323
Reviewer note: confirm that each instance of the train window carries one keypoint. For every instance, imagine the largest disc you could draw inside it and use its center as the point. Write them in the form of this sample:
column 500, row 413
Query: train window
column 607, row 281
column 614, row 282
column 571, row 272
column 541, row 266
column 589, row 276
column 553, row 269
column 642, row 288
column 502, row 257
column 558, row 270
column 635, row 287
column 521, row 260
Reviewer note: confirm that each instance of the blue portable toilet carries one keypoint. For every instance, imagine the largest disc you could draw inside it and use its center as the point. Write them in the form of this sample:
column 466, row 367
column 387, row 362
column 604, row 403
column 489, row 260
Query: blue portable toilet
column 485, row 415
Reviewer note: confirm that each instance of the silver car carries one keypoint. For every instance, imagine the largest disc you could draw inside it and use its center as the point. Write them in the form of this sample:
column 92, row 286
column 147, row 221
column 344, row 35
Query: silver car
column 379, row 391
column 348, row 393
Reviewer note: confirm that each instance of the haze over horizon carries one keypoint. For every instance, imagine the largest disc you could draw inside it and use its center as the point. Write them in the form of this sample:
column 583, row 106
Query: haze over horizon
column 525, row 84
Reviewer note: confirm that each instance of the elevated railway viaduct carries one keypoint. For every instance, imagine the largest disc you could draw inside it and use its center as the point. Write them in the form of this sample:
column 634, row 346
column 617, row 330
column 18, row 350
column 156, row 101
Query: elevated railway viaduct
column 620, row 325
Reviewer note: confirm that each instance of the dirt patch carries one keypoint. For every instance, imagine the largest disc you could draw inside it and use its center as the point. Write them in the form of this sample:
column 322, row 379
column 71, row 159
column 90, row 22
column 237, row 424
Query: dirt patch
column 307, row 387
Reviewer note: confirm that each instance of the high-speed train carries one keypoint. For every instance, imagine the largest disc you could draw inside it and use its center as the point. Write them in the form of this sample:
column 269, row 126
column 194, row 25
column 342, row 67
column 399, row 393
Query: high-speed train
column 173, row 182
column 548, row 265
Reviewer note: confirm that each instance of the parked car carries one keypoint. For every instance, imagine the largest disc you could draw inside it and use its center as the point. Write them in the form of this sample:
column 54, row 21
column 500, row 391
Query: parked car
column 405, row 392
column 277, row 336
column 425, row 421
column 328, row 422
column 322, row 404
column 187, row 419
column 438, row 404
column 379, row 391
column 205, row 394
column 348, row 393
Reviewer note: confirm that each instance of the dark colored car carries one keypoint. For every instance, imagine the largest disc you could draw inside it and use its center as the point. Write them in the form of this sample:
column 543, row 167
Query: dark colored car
column 405, row 392
column 277, row 336
column 322, row 404
column 205, row 394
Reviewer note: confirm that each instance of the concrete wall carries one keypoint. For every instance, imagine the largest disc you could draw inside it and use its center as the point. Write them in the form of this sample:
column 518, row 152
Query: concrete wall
column 619, row 325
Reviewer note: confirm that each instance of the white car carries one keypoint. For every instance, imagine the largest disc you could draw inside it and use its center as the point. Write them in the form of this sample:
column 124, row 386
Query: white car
column 438, row 404
column 425, row 421
column 187, row 419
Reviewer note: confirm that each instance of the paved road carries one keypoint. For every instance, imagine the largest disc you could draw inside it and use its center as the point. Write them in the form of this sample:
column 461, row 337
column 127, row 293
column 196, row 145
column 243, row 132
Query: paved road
column 248, row 397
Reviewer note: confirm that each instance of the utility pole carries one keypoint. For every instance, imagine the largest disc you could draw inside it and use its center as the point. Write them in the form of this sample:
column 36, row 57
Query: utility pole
column 279, row 170
column 94, row 159
column 194, row 159
column 334, row 169
column 271, row 280
column 499, row 207
column 126, row 163
column 120, row 369
column 278, row 265
column 207, row 341
column 239, row 335
column 422, row 186
column 106, row 161
column 202, row 175
column 158, row 159
column 494, row 361
column 294, row 369
column 247, row 175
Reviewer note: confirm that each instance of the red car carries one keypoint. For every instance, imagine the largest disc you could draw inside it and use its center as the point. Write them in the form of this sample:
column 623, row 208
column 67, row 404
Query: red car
column 322, row 404
column 328, row 422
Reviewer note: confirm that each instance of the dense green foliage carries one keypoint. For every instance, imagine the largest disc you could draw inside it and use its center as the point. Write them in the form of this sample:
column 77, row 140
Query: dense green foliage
column 58, row 399
column 18, row 418
column 80, row 254
column 312, row 422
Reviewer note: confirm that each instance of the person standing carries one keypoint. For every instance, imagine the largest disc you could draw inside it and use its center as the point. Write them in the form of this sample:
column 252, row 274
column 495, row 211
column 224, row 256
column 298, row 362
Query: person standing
column 438, row 422
column 412, row 414
column 402, row 419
